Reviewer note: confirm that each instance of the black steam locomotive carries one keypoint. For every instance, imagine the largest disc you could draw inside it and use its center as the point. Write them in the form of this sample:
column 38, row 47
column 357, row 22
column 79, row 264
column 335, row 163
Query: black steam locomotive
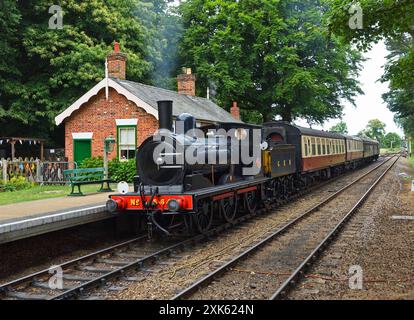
column 189, row 176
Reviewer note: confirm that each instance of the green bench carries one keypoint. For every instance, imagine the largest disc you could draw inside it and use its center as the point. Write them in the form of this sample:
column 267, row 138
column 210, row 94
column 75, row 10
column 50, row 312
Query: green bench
column 79, row 177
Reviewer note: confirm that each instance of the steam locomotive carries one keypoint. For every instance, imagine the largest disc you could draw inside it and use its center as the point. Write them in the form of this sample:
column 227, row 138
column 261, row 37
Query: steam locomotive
column 188, row 177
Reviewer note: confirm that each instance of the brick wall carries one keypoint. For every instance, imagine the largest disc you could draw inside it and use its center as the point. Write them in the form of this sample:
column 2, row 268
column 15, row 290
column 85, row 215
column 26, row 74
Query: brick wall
column 98, row 116
column 186, row 84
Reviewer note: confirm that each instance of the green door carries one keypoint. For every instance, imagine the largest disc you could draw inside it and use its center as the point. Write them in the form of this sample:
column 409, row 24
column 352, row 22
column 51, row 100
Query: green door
column 82, row 149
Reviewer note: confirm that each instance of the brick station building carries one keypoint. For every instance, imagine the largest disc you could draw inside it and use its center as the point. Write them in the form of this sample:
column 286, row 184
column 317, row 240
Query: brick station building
column 127, row 111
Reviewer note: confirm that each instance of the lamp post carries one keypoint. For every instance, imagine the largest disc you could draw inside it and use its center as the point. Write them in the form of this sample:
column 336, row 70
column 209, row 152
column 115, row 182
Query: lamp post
column 109, row 144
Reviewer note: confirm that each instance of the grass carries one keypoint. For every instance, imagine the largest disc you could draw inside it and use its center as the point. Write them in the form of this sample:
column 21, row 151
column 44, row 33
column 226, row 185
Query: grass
column 43, row 192
column 412, row 161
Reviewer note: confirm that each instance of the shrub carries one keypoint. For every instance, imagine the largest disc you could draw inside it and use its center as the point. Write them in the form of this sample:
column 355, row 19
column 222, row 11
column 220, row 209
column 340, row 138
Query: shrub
column 16, row 183
column 96, row 162
column 118, row 170
column 122, row 170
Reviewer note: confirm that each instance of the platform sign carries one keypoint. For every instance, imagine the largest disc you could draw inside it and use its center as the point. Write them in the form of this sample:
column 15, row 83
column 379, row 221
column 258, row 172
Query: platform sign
column 412, row 187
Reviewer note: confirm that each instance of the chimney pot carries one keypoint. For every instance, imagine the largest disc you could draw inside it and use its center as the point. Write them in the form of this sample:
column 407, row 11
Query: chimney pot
column 116, row 47
column 235, row 111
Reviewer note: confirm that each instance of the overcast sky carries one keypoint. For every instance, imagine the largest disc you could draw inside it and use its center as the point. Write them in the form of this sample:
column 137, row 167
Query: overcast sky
column 369, row 105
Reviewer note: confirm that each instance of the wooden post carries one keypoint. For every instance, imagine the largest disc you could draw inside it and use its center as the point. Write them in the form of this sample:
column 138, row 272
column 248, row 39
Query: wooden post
column 5, row 171
column 41, row 151
column 38, row 171
column 13, row 150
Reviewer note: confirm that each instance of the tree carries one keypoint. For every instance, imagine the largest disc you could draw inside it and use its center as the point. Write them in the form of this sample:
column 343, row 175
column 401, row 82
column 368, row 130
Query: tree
column 47, row 69
column 9, row 71
column 392, row 140
column 392, row 21
column 375, row 129
column 273, row 56
column 341, row 127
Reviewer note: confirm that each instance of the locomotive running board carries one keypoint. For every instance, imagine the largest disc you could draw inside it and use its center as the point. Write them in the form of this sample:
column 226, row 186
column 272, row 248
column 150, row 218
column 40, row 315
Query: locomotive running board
column 228, row 188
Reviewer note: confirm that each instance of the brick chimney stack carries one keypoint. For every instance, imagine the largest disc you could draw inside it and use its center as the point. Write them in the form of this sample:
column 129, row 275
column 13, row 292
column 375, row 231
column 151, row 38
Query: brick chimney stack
column 187, row 83
column 235, row 111
column 117, row 63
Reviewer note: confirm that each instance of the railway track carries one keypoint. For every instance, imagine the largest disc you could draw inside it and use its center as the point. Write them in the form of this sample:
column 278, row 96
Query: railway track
column 130, row 261
column 288, row 251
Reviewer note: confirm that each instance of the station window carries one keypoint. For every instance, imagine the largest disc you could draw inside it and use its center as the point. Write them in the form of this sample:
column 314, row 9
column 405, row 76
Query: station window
column 126, row 142
column 328, row 146
column 324, row 146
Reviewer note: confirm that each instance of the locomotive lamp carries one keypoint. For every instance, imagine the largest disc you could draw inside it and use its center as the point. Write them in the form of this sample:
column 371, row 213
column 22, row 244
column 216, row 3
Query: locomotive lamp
column 109, row 144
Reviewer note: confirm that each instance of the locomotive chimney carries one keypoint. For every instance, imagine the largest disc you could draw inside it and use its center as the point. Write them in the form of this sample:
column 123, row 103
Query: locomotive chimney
column 165, row 115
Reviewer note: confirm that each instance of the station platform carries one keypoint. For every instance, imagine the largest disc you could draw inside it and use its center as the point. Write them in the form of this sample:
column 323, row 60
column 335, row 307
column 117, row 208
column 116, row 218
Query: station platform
column 32, row 218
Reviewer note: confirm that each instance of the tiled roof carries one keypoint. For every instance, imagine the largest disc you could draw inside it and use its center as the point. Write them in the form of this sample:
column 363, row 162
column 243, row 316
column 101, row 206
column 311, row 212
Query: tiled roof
column 200, row 108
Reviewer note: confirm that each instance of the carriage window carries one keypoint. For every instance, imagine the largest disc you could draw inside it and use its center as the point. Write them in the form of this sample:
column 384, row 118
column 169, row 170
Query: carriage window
column 328, row 146
column 319, row 146
column 313, row 146
column 323, row 146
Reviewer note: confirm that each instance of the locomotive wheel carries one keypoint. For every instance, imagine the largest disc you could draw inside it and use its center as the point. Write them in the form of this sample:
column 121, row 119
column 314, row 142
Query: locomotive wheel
column 228, row 209
column 250, row 202
column 203, row 219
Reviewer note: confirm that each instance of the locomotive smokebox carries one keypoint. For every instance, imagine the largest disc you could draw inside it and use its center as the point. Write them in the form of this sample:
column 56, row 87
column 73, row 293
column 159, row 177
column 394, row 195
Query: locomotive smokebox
column 165, row 114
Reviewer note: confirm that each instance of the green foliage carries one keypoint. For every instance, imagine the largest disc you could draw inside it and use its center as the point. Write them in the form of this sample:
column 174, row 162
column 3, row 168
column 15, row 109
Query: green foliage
column 122, row 170
column 42, row 71
column 16, row 183
column 391, row 140
column 375, row 129
column 273, row 56
column 118, row 170
column 392, row 21
column 341, row 127
column 94, row 162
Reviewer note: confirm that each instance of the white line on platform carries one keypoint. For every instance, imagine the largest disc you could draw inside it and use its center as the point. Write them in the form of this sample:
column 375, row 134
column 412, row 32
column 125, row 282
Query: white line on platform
column 49, row 216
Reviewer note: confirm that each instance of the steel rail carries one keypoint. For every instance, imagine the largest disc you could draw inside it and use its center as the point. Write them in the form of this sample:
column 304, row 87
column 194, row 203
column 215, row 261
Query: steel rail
column 209, row 277
column 5, row 287
column 78, row 290
column 284, row 289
